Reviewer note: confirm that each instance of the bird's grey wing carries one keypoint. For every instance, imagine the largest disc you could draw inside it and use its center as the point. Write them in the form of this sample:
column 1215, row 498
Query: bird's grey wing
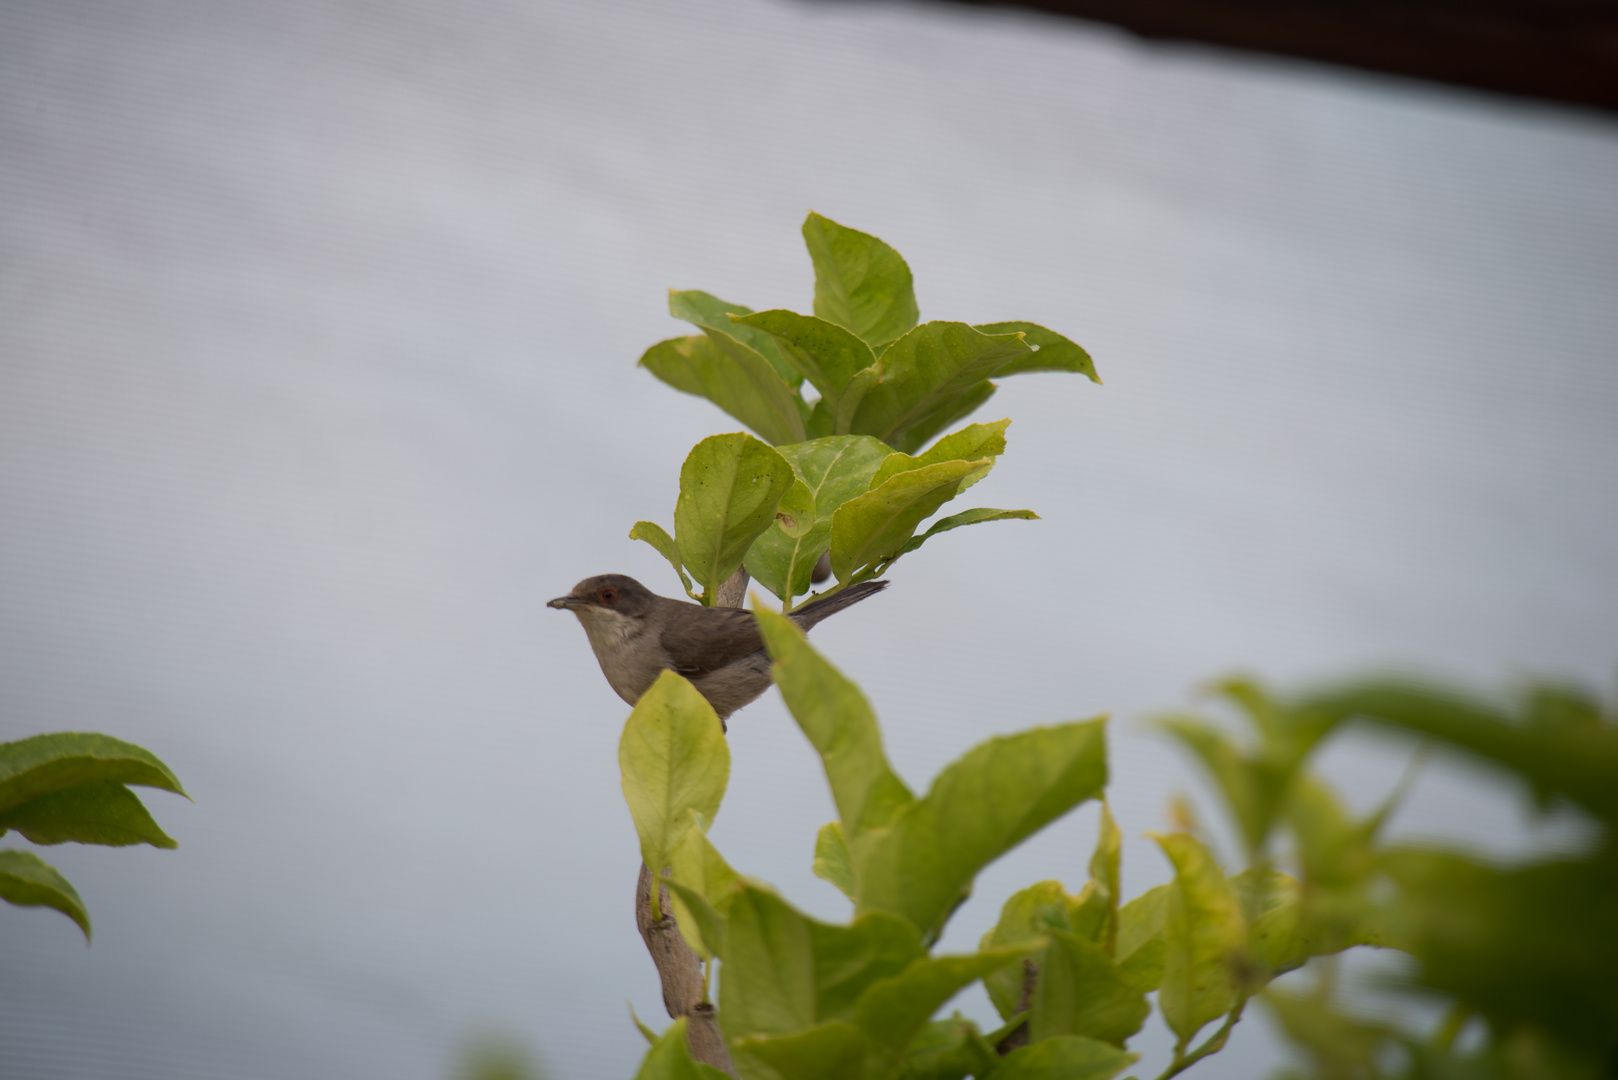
column 721, row 637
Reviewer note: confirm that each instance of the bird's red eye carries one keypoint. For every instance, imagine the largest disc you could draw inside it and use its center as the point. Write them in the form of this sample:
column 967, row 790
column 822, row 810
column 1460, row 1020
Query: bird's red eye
column 608, row 595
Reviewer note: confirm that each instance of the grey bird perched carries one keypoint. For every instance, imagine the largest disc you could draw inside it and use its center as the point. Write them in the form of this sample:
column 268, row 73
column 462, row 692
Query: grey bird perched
column 637, row 634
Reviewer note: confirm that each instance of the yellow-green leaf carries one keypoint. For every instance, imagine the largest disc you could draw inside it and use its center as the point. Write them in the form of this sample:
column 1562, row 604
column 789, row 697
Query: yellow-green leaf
column 1056, row 353
column 654, row 534
column 697, row 864
column 981, row 806
column 746, row 387
column 730, row 486
column 1205, row 936
column 839, row 723
column 713, row 315
column 674, row 760
column 1080, row 991
column 972, row 443
column 670, row 1058
column 861, row 283
column 795, row 516
column 834, row 469
column 922, row 376
column 825, row 353
column 1065, row 1057
column 876, row 526
column 1094, row 915
column 831, row 858
column 834, row 1049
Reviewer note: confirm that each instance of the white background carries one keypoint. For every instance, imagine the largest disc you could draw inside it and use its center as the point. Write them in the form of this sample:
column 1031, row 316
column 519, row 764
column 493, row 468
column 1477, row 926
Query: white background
column 318, row 325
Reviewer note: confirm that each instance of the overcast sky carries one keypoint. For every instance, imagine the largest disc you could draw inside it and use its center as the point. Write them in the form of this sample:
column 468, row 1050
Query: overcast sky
column 318, row 330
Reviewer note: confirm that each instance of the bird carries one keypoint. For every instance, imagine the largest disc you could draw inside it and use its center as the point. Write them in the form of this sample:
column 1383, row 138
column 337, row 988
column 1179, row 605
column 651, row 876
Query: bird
column 637, row 635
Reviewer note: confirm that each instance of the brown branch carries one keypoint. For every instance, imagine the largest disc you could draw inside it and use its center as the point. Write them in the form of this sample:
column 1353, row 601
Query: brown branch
column 734, row 590
column 681, row 974
column 678, row 968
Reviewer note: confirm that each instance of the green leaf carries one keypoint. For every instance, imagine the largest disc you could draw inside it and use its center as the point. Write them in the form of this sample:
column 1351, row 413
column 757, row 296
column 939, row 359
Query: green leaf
column 1141, row 920
column 1080, row 991
column 785, row 972
column 730, row 486
column 670, row 1059
column 950, row 1049
column 839, row 723
column 107, row 814
column 1344, row 1045
column 654, row 535
column 834, row 1049
column 967, row 517
column 1144, row 967
column 831, row 858
column 1206, row 939
column 42, row 764
column 823, row 352
column 1285, row 931
column 713, row 315
column 922, row 377
column 1094, row 914
column 29, row 881
column 972, row 443
column 1028, row 916
column 893, row 1010
column 1337, row 852
column 1577, row 760
column 743, row 385
column 876, row 526
column 835, row 470
column 674, row 760
column 861, row 283
column 646, row 1033
column 847, row 404
column 795, row 516
column 1253, row 789
column 950, row 409
column 981, row 806
column 1532, row 946
column 1066, row 1057
column 700, row 924
column 1056, row 353
column 697, row 864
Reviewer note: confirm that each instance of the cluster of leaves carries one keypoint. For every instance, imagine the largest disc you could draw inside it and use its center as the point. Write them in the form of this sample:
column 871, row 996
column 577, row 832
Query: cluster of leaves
column 1524, row 956
column 72, row 786
column 840, row 475
column 1070, row 974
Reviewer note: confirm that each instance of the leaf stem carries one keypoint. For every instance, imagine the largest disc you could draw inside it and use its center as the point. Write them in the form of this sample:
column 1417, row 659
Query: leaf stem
column 1216, row 1042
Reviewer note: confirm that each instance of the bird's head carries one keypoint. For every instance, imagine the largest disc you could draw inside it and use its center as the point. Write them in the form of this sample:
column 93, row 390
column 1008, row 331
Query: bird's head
column 618, row 594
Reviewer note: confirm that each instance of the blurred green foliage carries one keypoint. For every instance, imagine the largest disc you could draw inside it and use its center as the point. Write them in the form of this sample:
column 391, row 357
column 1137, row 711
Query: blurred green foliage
column 66, row 787
column 844, row 401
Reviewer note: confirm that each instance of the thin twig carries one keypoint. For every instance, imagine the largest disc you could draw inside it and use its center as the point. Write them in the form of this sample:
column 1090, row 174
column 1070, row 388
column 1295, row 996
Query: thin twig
column 1018, row 1036
column 1215, row 1043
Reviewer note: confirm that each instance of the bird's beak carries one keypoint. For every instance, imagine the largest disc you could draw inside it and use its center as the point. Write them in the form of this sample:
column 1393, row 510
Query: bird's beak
column 565, row 602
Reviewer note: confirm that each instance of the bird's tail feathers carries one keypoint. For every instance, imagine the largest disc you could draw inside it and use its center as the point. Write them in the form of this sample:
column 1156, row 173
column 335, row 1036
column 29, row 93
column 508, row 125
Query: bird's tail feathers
column 816, row 610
